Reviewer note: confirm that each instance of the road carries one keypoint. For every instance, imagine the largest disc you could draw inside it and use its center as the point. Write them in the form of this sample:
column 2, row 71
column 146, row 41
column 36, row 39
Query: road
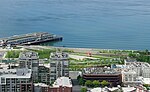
column 73, row 75
column 76, row 86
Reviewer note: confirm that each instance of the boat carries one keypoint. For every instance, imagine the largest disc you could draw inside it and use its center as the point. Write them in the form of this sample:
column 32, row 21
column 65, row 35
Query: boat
column 29, row 39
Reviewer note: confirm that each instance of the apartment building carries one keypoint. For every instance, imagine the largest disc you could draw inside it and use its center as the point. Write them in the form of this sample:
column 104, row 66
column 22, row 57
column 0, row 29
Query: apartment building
column 30, row 60
column 44, row 73
column 16, row 80
column 129, row 77
column 141, row 68
column 59, row 65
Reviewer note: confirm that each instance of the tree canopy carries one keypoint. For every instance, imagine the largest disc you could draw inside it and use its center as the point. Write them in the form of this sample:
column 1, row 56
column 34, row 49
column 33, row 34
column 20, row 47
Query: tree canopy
column 83, row 89
column 88, row 83
column 104, row 83
column 96, row 83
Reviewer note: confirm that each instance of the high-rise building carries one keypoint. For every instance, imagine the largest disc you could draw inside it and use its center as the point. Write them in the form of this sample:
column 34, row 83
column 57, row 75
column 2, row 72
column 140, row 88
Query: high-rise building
column 16, row 80
column 30, row 60
column 44, row 73
column 59, row 65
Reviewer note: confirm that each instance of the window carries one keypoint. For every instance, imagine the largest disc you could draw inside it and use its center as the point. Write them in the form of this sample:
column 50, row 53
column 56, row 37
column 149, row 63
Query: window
column 3, row 80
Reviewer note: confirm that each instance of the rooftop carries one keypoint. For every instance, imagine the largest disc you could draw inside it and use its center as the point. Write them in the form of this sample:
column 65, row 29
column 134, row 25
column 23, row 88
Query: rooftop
column 41, row 84
column 124, row 89
column 144, row 80
column 6, row 66
column 3, row 65
column 45, row 65
column 59, row 56
column 28, row 55
column 99, row 70
column 128, row 71
column 137, row 64
column 63, row 81
column 15, row 73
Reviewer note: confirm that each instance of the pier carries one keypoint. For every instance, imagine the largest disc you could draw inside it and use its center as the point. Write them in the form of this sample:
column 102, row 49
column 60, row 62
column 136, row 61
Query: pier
column 29, row 39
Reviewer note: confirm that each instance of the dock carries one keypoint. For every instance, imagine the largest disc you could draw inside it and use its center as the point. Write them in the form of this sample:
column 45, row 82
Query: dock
column 29, row 39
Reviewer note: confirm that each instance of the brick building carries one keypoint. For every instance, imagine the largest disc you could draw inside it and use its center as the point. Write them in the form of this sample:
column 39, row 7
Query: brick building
column 101, row 73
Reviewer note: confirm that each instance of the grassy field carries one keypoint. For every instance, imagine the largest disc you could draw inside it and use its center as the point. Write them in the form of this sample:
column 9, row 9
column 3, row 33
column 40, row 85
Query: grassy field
column 43, row 53
column 12, row 54
column 79, row 64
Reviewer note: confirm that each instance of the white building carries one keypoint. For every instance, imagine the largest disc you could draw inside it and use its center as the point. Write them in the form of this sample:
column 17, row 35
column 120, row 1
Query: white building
column 129, row 76
column 144, row 80
column 141, row 68
column 134, row 70
column 146, row 70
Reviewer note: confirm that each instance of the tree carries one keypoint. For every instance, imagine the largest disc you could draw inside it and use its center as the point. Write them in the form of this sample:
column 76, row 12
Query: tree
column 132, row 55
column 83, row 89
column 88, row 83
column 104, row 83
column 146, row 52
column 147, row 86
column 36, row 81
column 96, row 83
column 52, row 82
column 78, row 77
column 81, row 81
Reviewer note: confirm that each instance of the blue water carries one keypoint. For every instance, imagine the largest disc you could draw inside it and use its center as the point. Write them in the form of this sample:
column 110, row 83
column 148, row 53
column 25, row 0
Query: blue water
column 112, row 24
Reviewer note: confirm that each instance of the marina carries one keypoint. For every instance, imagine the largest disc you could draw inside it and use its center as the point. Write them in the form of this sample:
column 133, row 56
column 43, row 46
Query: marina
column 29, row 39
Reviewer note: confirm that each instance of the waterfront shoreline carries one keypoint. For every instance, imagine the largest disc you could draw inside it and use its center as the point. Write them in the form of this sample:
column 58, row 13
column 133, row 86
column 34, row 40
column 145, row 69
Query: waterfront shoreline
column 73, row 48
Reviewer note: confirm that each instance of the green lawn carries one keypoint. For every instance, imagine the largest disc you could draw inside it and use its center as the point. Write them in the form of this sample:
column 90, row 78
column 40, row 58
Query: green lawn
column 12, row 54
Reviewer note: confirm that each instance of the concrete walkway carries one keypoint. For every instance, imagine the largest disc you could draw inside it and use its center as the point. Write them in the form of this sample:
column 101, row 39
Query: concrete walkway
column 77, row 57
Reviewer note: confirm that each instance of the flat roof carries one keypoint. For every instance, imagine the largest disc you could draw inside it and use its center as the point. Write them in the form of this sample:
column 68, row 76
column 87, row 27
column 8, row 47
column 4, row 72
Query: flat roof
column 41, row 84
column 99, row 70
column 62, row 81
column 59, row 55
column 128, row 89
column 138, row 64
column 28, row 55
column 128, row 71
column 15, row 73
column 144, row 80
column 125, row 89
column 45, row 65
